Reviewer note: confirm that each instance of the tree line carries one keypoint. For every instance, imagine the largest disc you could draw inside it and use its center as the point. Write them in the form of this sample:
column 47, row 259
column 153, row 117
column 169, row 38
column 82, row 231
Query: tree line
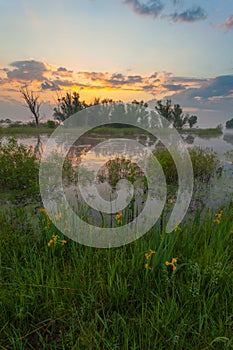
column 70, row 103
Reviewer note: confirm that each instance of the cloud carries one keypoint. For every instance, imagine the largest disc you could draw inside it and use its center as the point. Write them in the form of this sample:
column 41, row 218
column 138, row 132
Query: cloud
column 214, row 93
column 172, row 87
column 27, row 71
column 228, row 23
column 191, row 15
column 152, row 8
column 188, row 91
column 49, row 86
column 62, row 69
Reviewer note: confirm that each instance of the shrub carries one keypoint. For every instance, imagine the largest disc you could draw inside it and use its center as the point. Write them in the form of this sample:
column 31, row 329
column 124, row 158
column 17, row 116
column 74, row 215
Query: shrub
column 229, row 124
column 205, row 166
column 51, row 124
column 18, row 167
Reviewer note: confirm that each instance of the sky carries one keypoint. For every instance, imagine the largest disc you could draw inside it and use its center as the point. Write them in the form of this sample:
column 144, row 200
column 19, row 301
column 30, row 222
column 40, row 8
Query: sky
column 120, row 49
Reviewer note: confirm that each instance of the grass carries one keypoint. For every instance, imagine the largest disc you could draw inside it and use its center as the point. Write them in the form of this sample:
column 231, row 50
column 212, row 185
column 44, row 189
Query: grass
column 104, row 130
column 26, row 130
column 203, row 132
column 78, row 297
column 58, row 294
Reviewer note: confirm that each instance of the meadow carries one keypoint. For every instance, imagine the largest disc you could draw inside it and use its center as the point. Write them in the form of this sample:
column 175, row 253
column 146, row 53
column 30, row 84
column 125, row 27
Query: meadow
column 163, row 291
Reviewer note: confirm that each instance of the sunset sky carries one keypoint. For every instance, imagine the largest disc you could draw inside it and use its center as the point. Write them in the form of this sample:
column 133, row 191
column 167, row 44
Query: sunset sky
column 120, row 49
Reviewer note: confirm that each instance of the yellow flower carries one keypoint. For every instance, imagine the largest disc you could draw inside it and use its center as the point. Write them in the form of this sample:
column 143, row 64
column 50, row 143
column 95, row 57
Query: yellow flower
column 218, row 215
column 147, row 255
column 58, row 216
column 118, row 215
column 146, row 266
column 172, row 263
column 63, row 242
column 43, row 211
column 170, row 201
column 55, row 238
column 50, row 242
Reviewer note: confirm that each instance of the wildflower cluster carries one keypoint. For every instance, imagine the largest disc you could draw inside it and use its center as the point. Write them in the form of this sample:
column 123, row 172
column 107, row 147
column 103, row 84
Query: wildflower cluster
column 218, row 217
column 56, row 239
column 118, row 218
column 54, row 236
column 172, row 263
column 148, row 256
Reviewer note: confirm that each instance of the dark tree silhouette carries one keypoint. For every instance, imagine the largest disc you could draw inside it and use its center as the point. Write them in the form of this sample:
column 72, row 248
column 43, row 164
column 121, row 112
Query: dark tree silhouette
column 31, row 99
column 68, row 105
column 174, row 114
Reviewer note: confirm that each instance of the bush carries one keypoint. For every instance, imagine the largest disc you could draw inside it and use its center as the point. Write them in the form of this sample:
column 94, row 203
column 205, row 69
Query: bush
column 229, row 124
column 205, row 166
column 51, row 124
column 18, row 167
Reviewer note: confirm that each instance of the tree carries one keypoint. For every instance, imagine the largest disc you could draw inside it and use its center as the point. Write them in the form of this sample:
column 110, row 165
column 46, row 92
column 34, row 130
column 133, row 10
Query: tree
column 174, row 114
column 229, row 124
column 68, row 105
column 165, row 109
column 192, row 120
column 31, row 99
column 179, row 118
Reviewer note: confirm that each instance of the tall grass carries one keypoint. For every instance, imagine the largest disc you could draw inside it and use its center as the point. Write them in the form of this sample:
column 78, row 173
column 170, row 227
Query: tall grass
column 78, row 297
column 163, row 291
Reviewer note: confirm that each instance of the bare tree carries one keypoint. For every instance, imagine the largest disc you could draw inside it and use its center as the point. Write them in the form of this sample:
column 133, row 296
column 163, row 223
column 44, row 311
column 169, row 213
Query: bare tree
column 31, row 99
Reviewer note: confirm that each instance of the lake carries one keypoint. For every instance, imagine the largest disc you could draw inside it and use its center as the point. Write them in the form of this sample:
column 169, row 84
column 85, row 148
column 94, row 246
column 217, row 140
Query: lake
column 220, row 191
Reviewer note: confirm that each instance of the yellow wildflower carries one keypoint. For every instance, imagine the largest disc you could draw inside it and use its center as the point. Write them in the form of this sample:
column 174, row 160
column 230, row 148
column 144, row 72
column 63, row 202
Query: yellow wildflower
column 146, row 266
column 43, row 211
column 147, row 255
column 170, row 201
column 50, row 242
column 58, row 216
column 118, row 215
column 63, row 242
column 218, row 217
column 172, row 263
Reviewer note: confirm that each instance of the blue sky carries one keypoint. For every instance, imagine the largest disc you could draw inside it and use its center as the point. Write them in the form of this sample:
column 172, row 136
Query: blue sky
column 122, row 49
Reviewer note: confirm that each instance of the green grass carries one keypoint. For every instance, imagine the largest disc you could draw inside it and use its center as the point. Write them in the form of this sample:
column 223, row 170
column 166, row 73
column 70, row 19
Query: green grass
column 203, row 132
column 104, row 130
column 26, row 130
column 78, row 297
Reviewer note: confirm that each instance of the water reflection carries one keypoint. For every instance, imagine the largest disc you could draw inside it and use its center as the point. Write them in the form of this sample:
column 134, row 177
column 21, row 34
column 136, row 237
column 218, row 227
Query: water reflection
column 218, row 192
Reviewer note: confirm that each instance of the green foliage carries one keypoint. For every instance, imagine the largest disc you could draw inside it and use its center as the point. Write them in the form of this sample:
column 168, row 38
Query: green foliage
column 15, row 124
column 51, row 124
column 229, row 124
column 77, row 297
column 18, row 167
column 68, row 105
column 174, row 114
column 205, row 165
column 192, row 120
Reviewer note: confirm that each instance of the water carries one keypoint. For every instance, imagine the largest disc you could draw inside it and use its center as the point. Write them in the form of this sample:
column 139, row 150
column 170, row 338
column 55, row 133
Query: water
column 218, row 193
